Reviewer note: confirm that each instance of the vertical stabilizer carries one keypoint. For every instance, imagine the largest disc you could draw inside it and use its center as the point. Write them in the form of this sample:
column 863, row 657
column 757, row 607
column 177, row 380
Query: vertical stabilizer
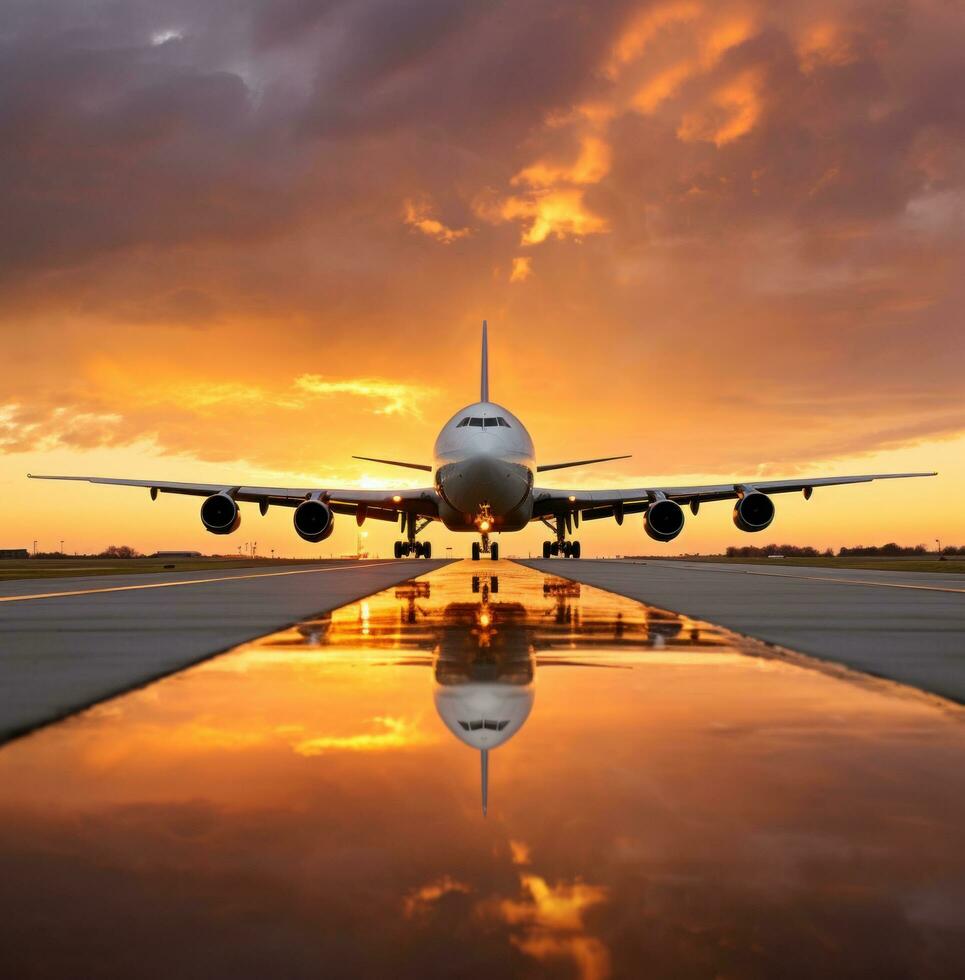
column 484, row 372
column 484, row 761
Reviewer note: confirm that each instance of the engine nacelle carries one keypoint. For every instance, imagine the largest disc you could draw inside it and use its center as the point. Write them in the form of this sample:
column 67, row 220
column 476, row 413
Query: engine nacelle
column 754, row 511
column 314, row 520
column 220, row 514
column 664, row 520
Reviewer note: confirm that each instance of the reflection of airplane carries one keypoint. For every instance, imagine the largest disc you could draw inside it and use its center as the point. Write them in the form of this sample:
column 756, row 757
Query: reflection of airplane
column 484, row 675
column 484, row 650
column 484, row 468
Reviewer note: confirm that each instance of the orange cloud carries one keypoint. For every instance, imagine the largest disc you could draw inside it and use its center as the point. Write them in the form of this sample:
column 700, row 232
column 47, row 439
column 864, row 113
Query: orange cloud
column 643, row 27
column 519, row 851
column 552, row 920
column 733, row 111
column 590, row 167
column 661, row 87
column 560, row 213
column 419, row 216
column 390, row 733
column 522, row 268
column 422, row 898
column 156, row 386
column 825, row 43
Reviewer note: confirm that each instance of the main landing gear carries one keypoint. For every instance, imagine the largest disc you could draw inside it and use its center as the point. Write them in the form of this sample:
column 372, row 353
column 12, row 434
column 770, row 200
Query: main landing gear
column 566, row 549
column 561, row 548
column 485, row 549
column 419, row 549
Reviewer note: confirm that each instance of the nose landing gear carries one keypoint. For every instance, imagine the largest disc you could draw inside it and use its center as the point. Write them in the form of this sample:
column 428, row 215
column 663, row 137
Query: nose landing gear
column 485, row 548
column 484, row 521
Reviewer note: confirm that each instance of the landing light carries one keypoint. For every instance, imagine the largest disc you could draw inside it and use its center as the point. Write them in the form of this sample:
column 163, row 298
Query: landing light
column 572, row 499
column 484, row 525
column 484, row 620
column 397, row 499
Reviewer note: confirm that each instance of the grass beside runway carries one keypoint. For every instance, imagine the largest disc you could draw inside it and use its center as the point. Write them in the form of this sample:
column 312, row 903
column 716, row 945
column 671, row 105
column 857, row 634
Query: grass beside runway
column 950, row 566
column 70, row 567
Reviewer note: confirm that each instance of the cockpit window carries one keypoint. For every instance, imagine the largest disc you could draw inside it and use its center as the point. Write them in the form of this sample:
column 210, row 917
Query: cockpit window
column 484, row 423
column 474, row 726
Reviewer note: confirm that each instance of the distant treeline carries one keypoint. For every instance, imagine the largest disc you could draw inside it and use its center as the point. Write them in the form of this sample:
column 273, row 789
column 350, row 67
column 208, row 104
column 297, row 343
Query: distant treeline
column 889, row 550
column 111, row 551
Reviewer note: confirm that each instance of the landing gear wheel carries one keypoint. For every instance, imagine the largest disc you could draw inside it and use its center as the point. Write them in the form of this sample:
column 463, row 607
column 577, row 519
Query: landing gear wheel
column 547, row 549
column 575, row 553
column 567, row 549
column 555, row 549
column 494, row 552
column 397, row 549
column 475, row 551
column 427, row 549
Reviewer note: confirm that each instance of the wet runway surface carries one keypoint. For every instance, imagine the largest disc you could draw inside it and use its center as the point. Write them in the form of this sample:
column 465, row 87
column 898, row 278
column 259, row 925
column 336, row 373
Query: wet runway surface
column 905, row 626
column 662, row 801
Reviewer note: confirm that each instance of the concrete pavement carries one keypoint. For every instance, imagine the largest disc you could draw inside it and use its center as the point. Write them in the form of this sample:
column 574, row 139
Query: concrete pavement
column 68, row 643
column 905, row 626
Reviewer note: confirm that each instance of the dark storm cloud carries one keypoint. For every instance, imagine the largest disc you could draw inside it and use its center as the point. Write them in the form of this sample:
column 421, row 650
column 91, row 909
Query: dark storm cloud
column 112, row 146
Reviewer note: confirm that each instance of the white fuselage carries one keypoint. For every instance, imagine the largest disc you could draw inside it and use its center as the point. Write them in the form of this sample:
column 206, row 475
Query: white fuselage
column 484, row 470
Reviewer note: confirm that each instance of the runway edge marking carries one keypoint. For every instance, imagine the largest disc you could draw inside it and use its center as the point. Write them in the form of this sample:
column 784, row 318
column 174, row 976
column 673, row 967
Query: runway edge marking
column 195, row 581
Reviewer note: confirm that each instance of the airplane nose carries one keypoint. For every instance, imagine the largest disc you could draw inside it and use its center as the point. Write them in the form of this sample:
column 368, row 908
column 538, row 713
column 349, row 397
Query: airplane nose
column 484, row 478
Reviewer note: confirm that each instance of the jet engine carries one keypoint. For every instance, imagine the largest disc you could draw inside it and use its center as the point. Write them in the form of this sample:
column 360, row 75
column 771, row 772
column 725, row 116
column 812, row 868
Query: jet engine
column 664, row 520
column 754, row 511
column 220, row 514
column 313, row 520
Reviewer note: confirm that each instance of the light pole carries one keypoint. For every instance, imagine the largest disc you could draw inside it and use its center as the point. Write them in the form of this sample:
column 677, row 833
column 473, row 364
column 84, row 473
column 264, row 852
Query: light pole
column 35, row 547
column 61, row 545
column 939, row 543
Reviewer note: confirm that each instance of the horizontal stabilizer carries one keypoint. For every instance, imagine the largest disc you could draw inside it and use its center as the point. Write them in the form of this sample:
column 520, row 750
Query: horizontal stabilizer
column 396, row 462
column 578, row 462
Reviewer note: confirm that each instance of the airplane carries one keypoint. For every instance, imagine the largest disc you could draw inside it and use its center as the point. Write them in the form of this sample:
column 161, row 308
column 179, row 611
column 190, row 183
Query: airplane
column 484, row 470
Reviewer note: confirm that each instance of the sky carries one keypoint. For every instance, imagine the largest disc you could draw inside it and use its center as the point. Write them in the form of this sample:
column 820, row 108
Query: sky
column 244, row 240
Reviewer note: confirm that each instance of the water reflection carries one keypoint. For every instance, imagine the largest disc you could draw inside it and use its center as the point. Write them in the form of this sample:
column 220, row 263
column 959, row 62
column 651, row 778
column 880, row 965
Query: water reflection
column 484, row 649
column 308, row 805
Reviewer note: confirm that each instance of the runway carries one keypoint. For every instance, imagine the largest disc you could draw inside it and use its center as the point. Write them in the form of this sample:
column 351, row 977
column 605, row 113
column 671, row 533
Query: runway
column 663, row 799
column 68, row 643
column 904, row 626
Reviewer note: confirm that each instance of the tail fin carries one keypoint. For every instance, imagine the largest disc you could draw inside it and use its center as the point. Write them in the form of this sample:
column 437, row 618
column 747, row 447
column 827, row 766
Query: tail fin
column 484, row 773
column 484, row 372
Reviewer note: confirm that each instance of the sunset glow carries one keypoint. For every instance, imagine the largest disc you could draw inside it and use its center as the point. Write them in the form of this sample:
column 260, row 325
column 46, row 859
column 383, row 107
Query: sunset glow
column 725, row 238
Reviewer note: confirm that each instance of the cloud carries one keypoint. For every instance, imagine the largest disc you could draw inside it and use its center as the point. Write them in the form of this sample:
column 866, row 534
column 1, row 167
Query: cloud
column 551, row 918
column 390, row 733
column 545, row 214
column 419, row 216
column 754, row 204
column 421, row 899
column 522, row 268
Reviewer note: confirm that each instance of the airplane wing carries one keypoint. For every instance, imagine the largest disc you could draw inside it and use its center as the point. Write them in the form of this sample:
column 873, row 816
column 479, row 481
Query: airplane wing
column 593, row 504
column 380, row 504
